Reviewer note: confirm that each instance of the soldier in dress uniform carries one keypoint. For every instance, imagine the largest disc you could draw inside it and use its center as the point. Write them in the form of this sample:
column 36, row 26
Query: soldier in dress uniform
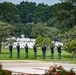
column 35, row 51
column 10, row 49
column 26, row 50
column 44, row 51
column 52, row 51
column 59, row 50
column 18, row 50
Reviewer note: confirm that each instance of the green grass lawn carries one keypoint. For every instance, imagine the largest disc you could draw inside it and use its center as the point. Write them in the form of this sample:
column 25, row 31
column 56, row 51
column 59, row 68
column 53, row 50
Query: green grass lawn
column 66, row 57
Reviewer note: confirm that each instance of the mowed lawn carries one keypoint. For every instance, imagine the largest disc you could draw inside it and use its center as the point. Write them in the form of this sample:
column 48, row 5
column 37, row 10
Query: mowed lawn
column 66, row 57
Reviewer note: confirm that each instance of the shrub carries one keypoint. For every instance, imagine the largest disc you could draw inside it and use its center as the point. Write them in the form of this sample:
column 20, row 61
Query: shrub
column 4, row 72
column 59, row 70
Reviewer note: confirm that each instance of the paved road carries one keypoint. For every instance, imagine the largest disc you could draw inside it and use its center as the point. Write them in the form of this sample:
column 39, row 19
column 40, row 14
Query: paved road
column 33, row 64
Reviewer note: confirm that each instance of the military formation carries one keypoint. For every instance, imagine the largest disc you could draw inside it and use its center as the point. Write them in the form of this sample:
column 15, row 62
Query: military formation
column 43, row 48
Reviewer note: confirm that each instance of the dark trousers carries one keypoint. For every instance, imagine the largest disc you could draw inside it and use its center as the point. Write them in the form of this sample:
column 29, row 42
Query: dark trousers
column 10, row 54
column 18, row 54
column 26, row 54
column 44, row 55
column 59, row 55
column 35, row 55
column 52, row 55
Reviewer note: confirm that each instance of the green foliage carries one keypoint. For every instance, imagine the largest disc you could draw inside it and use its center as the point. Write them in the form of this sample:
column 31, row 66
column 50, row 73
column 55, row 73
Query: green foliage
column 40, row 41
column 18, row 31
column 11, row 40
column 64, row 21
column 70, row 34
column 71, row 1
column 9, row 13
column 49, row 20
column 40, row 29
column 52, row 33
column 30, row 12
column 6, row 30
column 41, row 13
column 64, row 17
column 24, row 10
column 70, row 41
column 71, row 47
column 27, row 29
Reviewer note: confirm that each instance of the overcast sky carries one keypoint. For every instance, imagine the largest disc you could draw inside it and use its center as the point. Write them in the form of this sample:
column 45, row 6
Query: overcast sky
column 49, row 2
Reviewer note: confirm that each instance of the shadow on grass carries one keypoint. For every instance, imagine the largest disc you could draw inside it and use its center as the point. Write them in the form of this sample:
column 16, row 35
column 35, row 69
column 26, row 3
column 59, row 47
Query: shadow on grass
column 48, row 55
column 39, row 55
column 4, row 53
column 66, row 56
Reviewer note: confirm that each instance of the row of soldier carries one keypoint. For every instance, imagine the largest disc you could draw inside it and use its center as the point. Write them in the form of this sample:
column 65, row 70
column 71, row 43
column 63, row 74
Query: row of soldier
column 43, row 48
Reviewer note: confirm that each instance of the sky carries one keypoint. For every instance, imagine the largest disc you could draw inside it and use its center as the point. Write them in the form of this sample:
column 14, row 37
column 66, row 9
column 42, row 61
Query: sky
column 49, row 2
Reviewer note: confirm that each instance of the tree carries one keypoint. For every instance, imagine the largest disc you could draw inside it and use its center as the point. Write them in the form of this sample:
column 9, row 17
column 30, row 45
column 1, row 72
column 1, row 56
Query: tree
column 40, row 29
column 70, row 35
column 41, row 11
column 5, row 31
column 71, row 1
column 64, row 16
column 30, row 12
column 52, row 33
column 18, row 31
column 51, row 22
column 71, row 47
column 27, row 29
column 69, row 41
column 9, row 13
column 40, row 41
column 26, row 11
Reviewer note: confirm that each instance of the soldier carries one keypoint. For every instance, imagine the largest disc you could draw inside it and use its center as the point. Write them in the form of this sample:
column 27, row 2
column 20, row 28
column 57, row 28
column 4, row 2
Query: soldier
column 26, row 50
column 35, row 51
column 18, row 50
column 52, row 51
column 10, row 49
column 44, row 51
column 59, row 51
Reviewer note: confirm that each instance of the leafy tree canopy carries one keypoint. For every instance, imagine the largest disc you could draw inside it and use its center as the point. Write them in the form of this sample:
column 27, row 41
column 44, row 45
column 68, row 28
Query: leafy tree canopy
column 9, row 13
column 6, row 30
column 40, row 29
column 40, row 41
